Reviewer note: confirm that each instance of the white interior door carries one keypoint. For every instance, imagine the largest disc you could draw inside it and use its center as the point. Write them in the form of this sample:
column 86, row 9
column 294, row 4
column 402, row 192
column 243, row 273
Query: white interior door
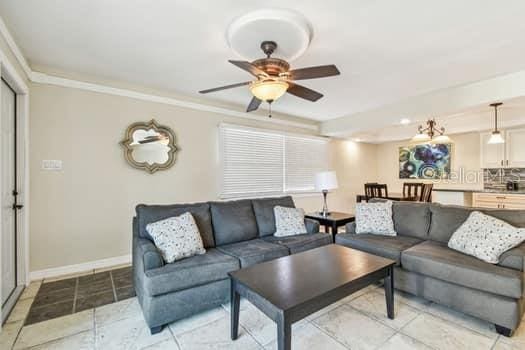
column 7, row 173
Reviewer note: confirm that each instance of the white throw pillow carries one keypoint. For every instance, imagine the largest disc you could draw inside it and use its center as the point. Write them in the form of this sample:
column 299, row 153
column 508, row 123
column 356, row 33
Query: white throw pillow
column 485, row 237
column 374, row 218
column 177, row 237
column 288, row 221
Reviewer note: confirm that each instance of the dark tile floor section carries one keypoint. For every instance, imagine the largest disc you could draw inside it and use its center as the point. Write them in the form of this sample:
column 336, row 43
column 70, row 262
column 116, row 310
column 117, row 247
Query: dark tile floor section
column 60, row 298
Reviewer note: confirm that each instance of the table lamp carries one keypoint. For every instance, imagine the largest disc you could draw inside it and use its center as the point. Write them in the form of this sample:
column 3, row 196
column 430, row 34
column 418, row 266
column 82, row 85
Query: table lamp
column 324, row 182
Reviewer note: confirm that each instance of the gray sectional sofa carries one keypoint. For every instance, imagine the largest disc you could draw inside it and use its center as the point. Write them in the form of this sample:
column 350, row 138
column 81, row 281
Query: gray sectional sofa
column 236, row 234
column 426, row 267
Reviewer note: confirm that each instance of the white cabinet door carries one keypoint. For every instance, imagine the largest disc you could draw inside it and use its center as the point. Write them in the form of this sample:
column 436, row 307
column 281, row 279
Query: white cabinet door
column 492, row 156
column 515, row 147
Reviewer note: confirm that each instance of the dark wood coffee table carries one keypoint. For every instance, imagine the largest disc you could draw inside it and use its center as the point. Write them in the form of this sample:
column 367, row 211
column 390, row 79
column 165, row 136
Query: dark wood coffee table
column 292, row 287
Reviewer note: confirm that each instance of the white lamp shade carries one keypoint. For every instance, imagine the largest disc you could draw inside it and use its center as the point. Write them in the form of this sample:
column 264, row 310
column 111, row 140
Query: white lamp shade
column 496, row 138
column 326, row 180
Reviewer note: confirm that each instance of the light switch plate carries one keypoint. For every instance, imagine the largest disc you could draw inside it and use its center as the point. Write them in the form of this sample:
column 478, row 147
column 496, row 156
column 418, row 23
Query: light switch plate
column 52, row 164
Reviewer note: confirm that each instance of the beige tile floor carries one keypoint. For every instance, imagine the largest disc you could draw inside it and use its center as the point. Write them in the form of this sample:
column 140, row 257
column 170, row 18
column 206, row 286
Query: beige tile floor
column 356, row 322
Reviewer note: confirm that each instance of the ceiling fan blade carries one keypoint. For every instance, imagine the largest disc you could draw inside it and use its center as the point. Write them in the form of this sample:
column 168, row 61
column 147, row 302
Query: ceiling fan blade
column 314, row 72
column 224, row 87
column 254, row 104
column 303, row 92
column 250, row 68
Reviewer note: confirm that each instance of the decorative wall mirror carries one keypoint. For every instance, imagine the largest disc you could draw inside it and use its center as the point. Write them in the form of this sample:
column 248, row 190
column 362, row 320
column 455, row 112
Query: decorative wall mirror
column 149, row 146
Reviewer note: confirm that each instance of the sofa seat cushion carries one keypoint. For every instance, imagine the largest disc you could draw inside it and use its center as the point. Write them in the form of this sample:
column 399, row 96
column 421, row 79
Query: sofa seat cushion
column 385, row 246
column 254, row 251
column 300, row 243
column 190, row 272
column 435, row 259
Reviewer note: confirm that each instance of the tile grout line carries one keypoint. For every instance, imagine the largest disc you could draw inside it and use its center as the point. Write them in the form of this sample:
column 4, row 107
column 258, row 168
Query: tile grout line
column 329, row 335
column 113, row 286
column 75, row 295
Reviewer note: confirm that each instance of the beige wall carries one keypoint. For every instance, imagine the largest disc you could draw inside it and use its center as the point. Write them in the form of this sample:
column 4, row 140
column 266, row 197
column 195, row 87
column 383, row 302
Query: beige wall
column 465, row 160
column 83, row 213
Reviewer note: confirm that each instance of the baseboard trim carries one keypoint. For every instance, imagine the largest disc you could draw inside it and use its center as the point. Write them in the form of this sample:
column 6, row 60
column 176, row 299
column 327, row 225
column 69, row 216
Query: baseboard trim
column 77, row 268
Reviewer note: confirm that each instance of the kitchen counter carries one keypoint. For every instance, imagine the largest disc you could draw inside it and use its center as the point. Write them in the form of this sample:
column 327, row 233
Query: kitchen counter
column 457, row 190
column 481, row 190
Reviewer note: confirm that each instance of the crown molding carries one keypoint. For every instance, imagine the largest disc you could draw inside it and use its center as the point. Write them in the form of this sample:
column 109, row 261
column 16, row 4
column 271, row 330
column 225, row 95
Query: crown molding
column 15, row 49
column 43, row 78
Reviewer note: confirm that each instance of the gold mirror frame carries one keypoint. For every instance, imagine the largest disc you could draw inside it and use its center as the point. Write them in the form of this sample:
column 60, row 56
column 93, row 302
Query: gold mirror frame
column 128, row 150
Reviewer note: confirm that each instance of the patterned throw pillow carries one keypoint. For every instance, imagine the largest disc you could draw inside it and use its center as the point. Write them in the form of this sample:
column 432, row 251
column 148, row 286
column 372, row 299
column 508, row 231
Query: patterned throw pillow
column 288, row 221
column 485, row 237
column 374, row 218
column 177, row 237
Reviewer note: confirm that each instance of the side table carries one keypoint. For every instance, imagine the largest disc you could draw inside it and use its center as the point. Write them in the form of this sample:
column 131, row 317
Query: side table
column 331, row 222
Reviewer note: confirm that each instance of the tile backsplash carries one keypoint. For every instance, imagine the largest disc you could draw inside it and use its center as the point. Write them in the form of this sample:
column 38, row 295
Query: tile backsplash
column 496, row 179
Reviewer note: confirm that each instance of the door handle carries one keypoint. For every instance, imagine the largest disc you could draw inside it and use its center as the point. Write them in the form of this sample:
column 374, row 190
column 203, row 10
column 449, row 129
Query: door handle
column 17, row 206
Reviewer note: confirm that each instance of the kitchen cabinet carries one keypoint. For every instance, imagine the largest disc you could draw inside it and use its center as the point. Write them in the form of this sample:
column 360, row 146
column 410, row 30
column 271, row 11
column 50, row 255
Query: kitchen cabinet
column 499, row 200
column 510, row 154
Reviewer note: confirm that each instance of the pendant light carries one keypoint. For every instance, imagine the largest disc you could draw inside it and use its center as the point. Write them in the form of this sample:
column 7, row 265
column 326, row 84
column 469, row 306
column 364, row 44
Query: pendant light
column 496, row 137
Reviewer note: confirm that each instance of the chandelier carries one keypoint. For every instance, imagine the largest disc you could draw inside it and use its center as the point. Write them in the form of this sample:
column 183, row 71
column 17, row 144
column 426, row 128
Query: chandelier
column 432, row 133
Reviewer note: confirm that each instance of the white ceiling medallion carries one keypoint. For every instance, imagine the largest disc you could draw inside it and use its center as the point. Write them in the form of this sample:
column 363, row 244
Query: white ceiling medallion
column 289, row 29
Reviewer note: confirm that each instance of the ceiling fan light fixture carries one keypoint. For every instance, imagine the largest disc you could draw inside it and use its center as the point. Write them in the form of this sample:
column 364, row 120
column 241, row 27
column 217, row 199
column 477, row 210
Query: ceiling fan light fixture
column 268, row 90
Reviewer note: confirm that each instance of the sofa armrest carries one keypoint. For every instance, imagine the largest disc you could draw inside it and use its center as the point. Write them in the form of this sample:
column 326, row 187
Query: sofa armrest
column 350, row 227
column 312, row 226
column 150, row 255
column 514, row 258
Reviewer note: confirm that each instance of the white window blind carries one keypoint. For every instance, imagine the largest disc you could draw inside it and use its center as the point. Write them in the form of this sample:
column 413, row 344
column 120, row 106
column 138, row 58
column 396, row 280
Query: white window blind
column 252, row 162
column 303, row 158
column 257, row 162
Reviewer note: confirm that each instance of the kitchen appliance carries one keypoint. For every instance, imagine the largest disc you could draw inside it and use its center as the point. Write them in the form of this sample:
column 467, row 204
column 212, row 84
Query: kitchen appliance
column 512, row 186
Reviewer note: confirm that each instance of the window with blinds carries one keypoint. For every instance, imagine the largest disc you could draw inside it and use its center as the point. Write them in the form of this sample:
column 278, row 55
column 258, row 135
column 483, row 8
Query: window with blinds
column 257, row 162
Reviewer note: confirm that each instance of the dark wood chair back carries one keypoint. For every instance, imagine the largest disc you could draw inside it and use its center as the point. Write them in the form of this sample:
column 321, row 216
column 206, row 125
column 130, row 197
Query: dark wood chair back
column 413, row 190
column 426, row 193
column 375, row 190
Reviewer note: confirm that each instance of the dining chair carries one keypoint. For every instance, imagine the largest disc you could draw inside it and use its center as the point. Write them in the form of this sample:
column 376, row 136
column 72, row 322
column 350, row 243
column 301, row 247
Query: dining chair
column 426, row 193
column 375, row 190
column 413, row 190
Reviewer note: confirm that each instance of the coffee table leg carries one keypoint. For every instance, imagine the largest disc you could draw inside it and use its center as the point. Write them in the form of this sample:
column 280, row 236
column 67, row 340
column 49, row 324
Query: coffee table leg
column 389, row 292
column 234, row 310
column 284, row 334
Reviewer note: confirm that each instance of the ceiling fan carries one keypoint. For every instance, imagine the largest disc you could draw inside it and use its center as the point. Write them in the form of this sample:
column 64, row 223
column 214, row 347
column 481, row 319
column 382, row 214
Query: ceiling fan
column 274, row 78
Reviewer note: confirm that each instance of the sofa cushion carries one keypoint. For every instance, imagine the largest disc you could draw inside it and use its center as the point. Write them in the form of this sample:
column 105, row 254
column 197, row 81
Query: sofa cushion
column 375, row 218
column 289, row 221
column 254, row 251
column 200, row 211
column 263, row 209
column 446, row 219
column 177, row 237
column 411, row 219
column 233, row 221
column 435, row 259
column 189, row 272
column 485, row 237
column 385, row 246
column 300, row 243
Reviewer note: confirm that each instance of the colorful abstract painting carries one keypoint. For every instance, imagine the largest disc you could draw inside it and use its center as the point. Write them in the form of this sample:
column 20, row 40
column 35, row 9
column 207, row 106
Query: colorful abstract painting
column 426, row 161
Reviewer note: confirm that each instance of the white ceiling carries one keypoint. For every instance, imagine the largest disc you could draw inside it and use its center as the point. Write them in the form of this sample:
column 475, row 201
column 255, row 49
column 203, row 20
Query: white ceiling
column 474, row 119
column 386, row 50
